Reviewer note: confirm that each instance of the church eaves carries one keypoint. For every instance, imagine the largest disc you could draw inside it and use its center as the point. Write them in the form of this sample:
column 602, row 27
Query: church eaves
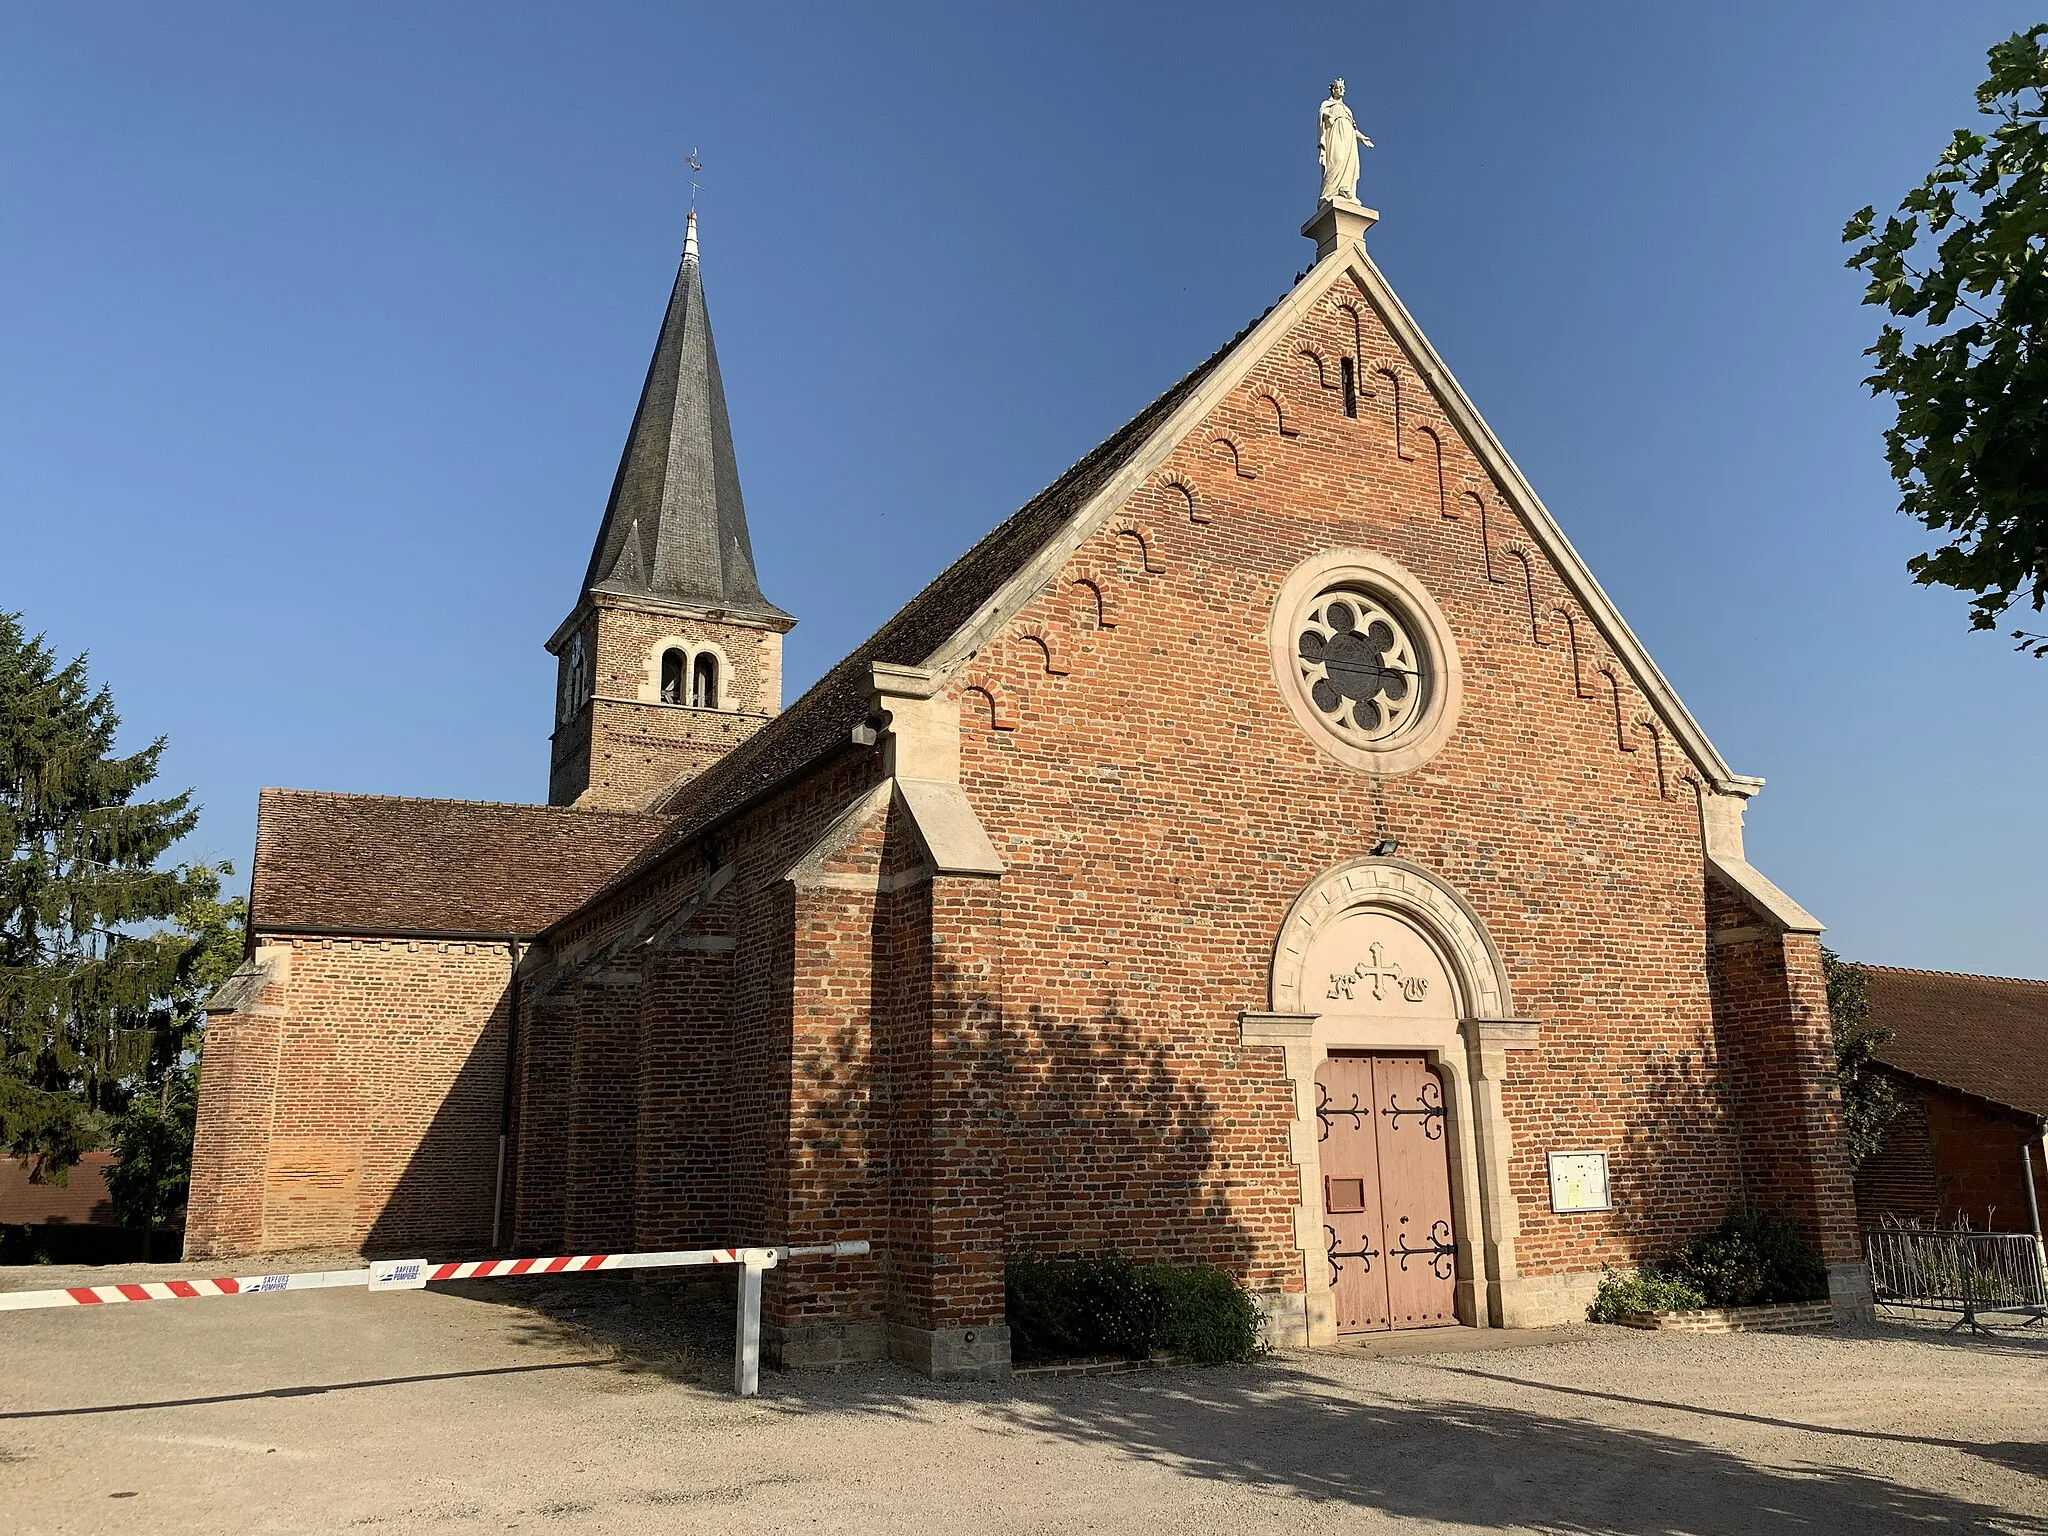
column 675, row 529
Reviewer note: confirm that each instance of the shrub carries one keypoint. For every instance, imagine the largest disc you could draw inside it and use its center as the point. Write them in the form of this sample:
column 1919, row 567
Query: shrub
column 1752, row 1259
column 1624, row 1291
column 1102, row 1304
column 1202, row 1313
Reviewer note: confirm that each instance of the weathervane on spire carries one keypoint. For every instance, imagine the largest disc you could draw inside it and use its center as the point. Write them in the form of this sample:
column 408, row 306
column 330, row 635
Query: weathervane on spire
column 690, row 224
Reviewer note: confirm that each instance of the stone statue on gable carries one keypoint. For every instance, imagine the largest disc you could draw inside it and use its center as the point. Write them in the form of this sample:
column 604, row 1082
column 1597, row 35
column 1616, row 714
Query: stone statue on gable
column 1339, row 139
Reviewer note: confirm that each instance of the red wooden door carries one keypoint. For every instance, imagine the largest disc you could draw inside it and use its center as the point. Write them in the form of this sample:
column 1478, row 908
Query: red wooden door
column 1351, row 1193
column 1415, row 1193
column 1386, row 1193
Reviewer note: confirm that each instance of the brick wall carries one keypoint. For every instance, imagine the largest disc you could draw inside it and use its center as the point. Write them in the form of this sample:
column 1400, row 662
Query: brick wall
column 1897, row 1182
column 1771, row 999
column 1950, row 1159
column 1160, row 809
column 365, row 1115
column 1050, row 1061
column 231, row 1150
column 625, row 744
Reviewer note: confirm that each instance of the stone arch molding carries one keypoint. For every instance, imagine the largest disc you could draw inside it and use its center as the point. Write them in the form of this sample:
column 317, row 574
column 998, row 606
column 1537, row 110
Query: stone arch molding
column 1392, row 885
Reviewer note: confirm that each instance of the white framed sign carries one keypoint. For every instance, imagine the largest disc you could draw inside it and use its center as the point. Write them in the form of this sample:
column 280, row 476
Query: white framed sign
column 1578, row 1182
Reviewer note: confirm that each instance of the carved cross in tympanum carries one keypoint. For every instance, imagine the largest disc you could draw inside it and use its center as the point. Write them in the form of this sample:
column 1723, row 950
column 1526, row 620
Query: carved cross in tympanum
column 1381, row 972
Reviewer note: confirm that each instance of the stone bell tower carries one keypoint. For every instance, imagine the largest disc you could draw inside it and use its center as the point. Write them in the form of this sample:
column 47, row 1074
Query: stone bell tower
column 671, row 656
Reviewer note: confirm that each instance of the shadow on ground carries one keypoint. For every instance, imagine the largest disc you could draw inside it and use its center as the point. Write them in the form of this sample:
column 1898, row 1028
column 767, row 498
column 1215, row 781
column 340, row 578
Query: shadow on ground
column 1292, row 1432
column 1287, row 1428
column 680, row 1328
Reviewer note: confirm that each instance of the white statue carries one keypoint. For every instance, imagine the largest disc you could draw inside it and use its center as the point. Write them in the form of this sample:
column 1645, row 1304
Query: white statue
column 1339, row 138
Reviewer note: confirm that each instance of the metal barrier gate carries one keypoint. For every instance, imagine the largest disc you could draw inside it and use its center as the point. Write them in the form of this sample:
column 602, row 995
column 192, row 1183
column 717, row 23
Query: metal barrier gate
column 415, row 1274
column 1965, row 1272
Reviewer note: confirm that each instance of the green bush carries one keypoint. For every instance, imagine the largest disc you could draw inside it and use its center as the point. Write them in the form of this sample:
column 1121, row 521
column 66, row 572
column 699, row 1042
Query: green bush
column 1623, row 1291
column 1102, row 1304
column 1750, row 1260
column 1202, row 1313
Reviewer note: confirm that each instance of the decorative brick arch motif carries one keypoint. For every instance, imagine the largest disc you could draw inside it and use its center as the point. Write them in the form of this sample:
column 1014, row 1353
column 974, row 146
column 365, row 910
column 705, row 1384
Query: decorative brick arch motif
column 1040, row 651
column 1226, row 449
column 1317, row 369
column 987, row 705
column 1269, row 397
column 1131, row 539
column 1516, row 550
column 1345, row 311
column 1400, row 405
column 1392, row 885
column 1092, row 591
column 1433, row 454
column 1570, row 624
column 1177, row 489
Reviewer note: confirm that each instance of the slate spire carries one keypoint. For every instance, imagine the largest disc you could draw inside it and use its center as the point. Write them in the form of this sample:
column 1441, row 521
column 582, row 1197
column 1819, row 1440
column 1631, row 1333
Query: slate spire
column 675, row 527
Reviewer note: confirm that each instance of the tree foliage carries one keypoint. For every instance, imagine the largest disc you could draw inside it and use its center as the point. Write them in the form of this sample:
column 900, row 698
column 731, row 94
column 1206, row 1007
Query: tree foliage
column 153, row 1137
column 1965, row 260
column 96, row 997
column 1869, row 1102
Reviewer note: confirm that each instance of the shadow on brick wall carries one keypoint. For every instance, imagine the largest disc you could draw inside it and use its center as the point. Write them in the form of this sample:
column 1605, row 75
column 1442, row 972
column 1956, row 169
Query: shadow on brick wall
column 439, row 1202
column 1117, row 1144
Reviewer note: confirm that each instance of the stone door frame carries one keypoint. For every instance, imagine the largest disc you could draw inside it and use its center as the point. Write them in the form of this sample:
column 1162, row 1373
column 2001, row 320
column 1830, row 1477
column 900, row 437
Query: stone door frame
column 1468, row 1053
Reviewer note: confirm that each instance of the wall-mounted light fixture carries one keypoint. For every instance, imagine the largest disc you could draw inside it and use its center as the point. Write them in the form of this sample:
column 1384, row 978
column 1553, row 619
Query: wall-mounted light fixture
column 1385, row 848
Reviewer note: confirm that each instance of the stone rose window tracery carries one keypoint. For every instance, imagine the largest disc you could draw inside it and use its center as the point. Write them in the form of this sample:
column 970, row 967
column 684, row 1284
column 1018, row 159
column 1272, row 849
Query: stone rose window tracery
column 1365, row 661
column 1359, row 665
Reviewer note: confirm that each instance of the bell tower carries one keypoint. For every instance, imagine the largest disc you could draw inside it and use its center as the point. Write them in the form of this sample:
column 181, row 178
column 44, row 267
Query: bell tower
column 671, row 656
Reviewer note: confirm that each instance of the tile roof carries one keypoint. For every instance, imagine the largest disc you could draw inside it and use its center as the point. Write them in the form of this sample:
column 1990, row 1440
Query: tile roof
column 820, row 723
column 82, row 1200
column 1984, row 1035
column 391, row 864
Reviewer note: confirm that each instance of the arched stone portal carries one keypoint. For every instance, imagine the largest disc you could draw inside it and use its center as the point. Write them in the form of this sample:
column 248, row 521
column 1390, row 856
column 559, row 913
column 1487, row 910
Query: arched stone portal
column 1380, row 956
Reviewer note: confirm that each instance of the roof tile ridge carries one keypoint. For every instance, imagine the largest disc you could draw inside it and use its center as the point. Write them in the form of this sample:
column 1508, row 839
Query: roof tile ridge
column 1079, row 466
column 502, row 805
column 1921, row 970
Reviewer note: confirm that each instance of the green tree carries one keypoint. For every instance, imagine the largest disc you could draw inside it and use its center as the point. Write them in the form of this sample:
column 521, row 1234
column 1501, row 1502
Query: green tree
column 153, row 1137
column 1965, row 260
column 1869, row 1102
column 84, row 977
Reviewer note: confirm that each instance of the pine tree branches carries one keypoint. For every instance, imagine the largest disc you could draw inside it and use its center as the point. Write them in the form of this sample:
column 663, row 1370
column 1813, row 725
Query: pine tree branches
column 94, row 995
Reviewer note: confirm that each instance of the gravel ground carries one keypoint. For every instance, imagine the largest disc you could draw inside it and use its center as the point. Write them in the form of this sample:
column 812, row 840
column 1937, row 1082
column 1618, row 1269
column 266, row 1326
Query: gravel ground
column 599, row 1406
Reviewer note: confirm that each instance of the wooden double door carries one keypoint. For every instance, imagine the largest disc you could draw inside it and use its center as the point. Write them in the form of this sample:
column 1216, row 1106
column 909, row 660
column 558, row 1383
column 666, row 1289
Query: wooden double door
column 1386, row 1193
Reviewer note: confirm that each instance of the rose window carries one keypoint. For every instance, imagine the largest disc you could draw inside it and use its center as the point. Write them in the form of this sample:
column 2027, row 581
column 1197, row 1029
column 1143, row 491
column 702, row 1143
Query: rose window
column 1358, row 666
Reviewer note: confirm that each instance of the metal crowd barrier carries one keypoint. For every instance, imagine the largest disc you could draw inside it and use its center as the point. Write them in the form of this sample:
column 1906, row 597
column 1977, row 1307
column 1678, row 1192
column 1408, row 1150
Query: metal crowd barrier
column 1964, row 1272
column 416, row 1274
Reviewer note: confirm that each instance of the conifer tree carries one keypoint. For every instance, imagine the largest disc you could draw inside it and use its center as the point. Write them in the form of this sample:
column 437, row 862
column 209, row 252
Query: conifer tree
column 83, row 979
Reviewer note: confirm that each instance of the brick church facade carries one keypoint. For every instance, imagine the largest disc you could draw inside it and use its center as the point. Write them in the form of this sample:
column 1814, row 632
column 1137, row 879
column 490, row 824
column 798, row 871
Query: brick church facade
column 1268, row 847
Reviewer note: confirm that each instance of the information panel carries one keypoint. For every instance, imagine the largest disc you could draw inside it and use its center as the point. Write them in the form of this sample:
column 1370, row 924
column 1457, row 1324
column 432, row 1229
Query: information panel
column 1578, row 1181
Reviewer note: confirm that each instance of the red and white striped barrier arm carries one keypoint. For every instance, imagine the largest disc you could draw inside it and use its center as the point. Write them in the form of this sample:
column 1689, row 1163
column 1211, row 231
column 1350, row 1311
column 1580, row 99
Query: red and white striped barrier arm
column 411, row 1274
column 182, row 1290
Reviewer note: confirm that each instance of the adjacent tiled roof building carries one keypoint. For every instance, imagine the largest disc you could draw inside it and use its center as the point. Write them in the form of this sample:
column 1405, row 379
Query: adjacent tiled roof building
column 1984, row 1035
column 394, row 865
column 1968, row 1058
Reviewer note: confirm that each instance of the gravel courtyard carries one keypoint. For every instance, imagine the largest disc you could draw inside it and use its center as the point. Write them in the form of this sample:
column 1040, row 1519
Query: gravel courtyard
column 601, row 1408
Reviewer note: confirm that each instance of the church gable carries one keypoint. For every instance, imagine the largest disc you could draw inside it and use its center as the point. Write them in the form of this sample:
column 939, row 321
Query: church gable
column 1326, row 432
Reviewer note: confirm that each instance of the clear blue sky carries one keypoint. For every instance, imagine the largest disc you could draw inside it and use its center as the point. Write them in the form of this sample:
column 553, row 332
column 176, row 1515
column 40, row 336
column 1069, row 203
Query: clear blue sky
column 320, row 328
